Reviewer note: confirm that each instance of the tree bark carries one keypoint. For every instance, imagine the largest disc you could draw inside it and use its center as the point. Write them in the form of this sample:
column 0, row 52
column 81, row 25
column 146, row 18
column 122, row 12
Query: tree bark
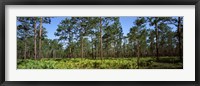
column 82, row 47
column 100, row 38
column 40, row 41
column 138, row 55
column 25, row 44
column 25, row 48
column 69, row 44
column 92, row 48
column 35, row 44
column 156, row 41
column 96, row 50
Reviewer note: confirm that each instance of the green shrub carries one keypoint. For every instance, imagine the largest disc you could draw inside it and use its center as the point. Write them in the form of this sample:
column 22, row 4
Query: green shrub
column 110, row 63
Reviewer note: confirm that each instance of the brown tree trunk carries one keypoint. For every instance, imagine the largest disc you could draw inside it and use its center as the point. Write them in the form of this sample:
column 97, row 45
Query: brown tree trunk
column 114, row 51
column 35, row 44
column 25, row 48
column 124, row 54
column 100, row 38
column 179, row 38
column 92, row 48
column 81, row 47
column 70, row 51
column 156, row 42
column 96, row 50
column 40, row 41
column 138, row 55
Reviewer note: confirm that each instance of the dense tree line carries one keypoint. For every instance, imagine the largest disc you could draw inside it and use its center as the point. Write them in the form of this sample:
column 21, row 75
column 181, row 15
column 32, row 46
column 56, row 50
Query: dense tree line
column 100, row 38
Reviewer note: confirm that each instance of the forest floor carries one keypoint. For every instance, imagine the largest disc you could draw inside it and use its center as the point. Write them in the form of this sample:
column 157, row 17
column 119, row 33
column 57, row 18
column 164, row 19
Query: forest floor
column 109, row 63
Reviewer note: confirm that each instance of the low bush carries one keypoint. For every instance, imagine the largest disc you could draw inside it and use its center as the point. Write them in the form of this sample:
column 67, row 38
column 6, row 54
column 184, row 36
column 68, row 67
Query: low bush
column 110, row 63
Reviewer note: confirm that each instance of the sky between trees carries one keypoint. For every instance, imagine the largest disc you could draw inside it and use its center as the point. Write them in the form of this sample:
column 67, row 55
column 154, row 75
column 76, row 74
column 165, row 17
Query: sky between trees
column 126, row 23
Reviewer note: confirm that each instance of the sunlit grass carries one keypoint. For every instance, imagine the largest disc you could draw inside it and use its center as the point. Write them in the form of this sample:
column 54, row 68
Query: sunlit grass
column 110, row 63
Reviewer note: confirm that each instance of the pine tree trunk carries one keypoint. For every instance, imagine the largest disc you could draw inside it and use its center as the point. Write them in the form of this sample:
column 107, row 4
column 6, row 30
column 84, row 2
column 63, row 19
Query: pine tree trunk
column 96, row 50
column 25, row 45
column 69, row 39
column 35, row 44
column 92, row 52
column 124, row 51
column 92, row 48
column 156, row 42
column 100, row 38
column 25, row 48
column 70, row 52
column 40, row 41
column 82, row 47
column 138, row 55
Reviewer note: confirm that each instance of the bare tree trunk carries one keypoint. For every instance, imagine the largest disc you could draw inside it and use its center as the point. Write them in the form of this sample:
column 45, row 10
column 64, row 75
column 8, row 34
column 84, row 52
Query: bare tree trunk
column 40, row 41
column 179, row 38
column 35, row 44
column 69, row 45
column 81, row 47
column 25, row 45
column 92, row 48
column 124, row 54
column 96, row 50
column 156, row 41
column 106, row 48
column 100, row 38
column 70, row 52
column 138, row 55
column 114, row 51
column 25, row 48
column 92, row 51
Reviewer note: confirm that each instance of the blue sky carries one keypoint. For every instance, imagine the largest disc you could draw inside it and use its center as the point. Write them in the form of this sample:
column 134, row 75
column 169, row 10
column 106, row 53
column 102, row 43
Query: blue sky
column 51, row 28
column 126, row 22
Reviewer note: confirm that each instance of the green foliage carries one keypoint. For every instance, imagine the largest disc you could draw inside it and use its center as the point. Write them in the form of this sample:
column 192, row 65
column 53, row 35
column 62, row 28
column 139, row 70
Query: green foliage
column 111, row 63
